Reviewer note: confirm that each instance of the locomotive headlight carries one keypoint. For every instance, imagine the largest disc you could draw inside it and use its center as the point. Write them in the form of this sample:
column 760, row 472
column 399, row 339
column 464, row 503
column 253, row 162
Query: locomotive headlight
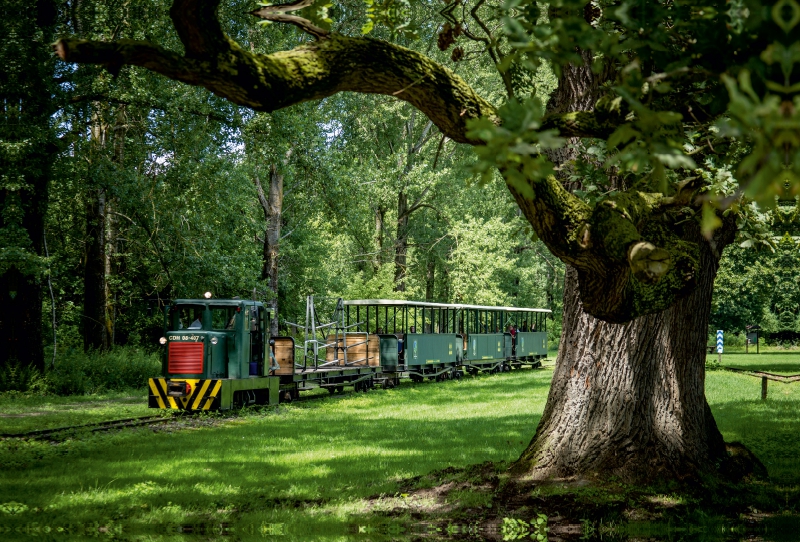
column 207, row 295
column 163, row 340
column 214, row 340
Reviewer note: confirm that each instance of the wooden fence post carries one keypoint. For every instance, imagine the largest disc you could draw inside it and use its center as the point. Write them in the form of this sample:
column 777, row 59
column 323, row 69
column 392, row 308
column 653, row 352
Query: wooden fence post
column 763, row 388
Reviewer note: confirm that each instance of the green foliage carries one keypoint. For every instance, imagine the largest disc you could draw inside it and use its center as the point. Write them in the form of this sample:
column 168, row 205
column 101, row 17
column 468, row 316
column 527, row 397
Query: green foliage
column 516, row 146
column 78, row 373
column 518, row 529
column 757, row 288
column 15, row 377
column 177, row 165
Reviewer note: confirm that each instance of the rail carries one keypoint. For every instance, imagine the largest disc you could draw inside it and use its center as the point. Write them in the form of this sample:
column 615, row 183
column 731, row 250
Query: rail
column 91, row 427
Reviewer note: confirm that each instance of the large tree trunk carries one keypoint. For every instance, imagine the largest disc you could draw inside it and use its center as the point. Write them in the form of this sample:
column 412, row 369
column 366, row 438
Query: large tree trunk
column 628, row 399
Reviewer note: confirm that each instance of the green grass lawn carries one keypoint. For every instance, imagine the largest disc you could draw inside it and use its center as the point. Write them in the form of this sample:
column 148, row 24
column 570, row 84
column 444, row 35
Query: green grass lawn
column 321, row 460
column 20, row 413
column 785, row 362
column 323, row 456
column 771, row 428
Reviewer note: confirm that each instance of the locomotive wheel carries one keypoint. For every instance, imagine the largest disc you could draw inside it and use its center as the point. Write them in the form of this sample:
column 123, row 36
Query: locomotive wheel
column 340, row 389
column 331, row 390
column 458, row 375
column 287, row 396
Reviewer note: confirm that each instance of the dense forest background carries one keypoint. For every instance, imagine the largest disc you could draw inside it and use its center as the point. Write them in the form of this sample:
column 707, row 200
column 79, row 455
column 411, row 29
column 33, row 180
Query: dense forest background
column 156, row 196
column 161, row 191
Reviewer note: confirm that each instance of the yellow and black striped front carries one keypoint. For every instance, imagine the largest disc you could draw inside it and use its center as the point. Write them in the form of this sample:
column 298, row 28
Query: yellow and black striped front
column 202, row 395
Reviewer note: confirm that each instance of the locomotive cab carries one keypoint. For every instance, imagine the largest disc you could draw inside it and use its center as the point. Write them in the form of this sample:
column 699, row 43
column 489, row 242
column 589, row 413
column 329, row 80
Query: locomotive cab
column 216, row 355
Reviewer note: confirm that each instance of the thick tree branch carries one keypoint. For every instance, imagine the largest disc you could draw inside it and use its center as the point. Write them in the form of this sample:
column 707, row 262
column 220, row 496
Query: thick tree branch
column 310, row 72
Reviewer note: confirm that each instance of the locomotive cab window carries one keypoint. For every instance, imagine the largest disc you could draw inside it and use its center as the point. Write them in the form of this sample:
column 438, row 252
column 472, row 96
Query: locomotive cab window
column 187, row 317
column 223, row 318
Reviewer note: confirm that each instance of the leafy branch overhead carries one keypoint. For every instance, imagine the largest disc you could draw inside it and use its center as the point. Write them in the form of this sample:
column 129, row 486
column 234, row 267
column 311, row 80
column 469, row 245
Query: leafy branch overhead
column 678, row 89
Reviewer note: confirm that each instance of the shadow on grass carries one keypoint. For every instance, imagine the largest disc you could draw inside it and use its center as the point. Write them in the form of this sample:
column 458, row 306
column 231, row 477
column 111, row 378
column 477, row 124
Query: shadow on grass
column 770, row 430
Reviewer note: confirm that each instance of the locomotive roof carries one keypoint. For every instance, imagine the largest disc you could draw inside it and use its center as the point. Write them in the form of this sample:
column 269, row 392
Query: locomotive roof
column 425, row 304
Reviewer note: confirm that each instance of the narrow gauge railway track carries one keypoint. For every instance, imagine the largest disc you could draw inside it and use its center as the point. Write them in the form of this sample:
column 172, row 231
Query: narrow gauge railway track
column 131, row 422
column 93, row 427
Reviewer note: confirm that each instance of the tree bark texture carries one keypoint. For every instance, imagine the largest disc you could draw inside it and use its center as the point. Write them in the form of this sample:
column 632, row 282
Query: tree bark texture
column 272, row 207
column 628, row 399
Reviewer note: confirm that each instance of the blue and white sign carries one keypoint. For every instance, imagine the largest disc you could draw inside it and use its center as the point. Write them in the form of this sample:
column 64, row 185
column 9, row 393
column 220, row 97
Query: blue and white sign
column 719, row 341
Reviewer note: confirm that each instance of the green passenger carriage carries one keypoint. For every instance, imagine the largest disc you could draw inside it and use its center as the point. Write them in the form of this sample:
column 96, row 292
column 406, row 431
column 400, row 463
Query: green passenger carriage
column 418, row 339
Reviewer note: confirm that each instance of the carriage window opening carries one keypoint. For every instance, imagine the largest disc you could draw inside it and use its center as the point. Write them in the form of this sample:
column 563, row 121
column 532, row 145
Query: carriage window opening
column 223, row 318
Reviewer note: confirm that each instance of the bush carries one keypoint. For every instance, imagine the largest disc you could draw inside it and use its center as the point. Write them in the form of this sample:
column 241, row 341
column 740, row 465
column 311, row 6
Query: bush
column 78, row 373
column 15, row 377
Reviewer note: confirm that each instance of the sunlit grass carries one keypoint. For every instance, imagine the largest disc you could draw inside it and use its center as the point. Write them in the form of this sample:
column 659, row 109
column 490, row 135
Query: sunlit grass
column 330, row 459
column 318, row 456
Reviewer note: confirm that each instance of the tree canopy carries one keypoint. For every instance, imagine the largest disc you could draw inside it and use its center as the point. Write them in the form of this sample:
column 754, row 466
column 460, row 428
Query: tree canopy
column 680, row 89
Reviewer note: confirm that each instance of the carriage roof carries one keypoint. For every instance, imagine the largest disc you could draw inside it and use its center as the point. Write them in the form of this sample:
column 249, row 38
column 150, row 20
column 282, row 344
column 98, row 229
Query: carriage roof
column 426, row 305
